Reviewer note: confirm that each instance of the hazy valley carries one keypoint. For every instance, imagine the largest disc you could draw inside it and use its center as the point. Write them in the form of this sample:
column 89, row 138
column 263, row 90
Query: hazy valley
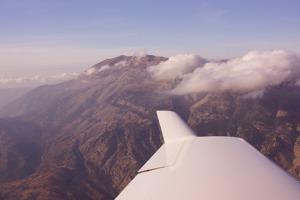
column 8, row 95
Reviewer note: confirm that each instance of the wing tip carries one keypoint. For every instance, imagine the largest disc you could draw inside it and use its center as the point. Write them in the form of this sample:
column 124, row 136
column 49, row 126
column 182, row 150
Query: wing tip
column 173, row 127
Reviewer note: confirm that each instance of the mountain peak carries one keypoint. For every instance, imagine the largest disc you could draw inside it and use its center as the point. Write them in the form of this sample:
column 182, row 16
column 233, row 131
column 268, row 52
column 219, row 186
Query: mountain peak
column 125, row 61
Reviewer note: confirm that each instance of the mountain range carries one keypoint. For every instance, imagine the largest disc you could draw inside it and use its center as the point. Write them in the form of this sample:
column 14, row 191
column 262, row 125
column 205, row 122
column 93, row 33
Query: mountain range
column 86, row 138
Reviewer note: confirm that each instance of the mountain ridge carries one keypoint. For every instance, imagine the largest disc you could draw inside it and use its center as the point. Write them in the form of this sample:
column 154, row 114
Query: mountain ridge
column 99, row 129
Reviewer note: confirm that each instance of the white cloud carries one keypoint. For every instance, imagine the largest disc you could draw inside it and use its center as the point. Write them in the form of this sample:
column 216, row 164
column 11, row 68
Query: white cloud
column 140, row 53
column 121, row 63
column 94, row 70
column 176, row 66
column 91, row 70
column 249, row 74
column 64, row 76
column 103, row 68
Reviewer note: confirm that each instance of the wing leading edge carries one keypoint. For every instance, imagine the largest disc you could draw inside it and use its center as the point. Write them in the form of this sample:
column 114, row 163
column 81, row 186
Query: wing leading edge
column 214, row 168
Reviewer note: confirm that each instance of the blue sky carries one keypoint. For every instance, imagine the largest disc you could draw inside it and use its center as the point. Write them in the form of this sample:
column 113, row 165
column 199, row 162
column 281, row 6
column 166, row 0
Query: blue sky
column 48, row 37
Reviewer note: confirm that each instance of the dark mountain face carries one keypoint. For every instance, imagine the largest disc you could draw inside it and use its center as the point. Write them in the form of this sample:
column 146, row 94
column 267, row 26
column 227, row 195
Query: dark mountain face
column 20, row 151
column 86, row 138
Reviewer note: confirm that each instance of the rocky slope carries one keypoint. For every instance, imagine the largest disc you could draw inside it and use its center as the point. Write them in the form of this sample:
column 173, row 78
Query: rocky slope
column 86, row 138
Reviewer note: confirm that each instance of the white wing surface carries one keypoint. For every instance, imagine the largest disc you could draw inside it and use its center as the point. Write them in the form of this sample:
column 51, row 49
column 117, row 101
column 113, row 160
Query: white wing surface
column 208, row 168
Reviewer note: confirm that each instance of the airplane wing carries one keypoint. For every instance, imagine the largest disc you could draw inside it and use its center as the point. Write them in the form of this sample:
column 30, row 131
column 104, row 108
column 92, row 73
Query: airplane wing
column 208, row 168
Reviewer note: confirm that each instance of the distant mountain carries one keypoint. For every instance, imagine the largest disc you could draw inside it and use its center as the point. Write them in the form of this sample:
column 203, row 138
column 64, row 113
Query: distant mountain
column 86, row 138
column 8, row 95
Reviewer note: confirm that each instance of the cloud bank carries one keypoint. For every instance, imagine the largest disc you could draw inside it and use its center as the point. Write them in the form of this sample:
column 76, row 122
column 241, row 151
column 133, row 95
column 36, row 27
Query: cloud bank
column 36, row 80
column 249, row 74
column 177, row 66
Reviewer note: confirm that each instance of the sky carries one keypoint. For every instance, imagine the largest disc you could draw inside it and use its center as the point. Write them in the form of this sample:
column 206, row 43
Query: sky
column 53, row 39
